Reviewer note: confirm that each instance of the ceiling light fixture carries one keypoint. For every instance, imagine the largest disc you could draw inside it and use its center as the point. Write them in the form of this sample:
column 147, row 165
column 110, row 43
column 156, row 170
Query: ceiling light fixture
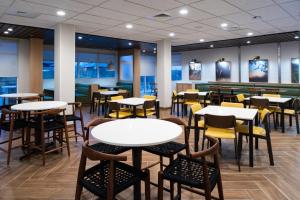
column 171, row 34
column 154, row 49
column 224, row 25
column 129, row 43
column 201, row 40
column 61, row 13
column 144, row 51
column 183, row 11
column 296, row 37
column 248, row 42
column 250, row 34
column 79, row 37
column 129, row 26
column 211, row 46
column 6, row 32
column 10, row 29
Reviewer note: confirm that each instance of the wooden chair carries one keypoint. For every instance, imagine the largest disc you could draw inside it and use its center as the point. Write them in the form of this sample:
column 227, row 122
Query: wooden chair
column 50, row 121
column 149, row 97
column 175, row 100
column 10, row 122
column 109, row 177
column 73, row 117
column 30, row 99
column 149, row 109
column 258, row 133
column 253, row 91
column 221, row 127
column 189, row 99
column 123, row 93
column 118, row 97
column 293, row 111
column 116, row 111
column 170, row 149
column 194, row 173
column 240, row 98
column 102, row 147
column 192, row 90
column 234, row 105
column 97, row 102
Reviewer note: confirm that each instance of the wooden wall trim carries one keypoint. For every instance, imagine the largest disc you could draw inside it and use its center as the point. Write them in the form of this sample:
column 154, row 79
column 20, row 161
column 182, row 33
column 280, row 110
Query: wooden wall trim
column 36, row 48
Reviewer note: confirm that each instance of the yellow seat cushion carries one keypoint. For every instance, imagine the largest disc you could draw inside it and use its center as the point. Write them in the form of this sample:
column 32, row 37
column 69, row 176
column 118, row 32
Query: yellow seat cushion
column 222, row 133
column 201, row 123
column 256, row 130
column 191, row 102
column 122, row 114
column 239, row 122
column 149, row 112
column 289, row 111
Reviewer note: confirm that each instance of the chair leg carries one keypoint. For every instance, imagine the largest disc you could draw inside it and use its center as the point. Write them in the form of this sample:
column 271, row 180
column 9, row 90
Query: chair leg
column 291, row 121
column 220, row 188
column 178, row 191
column 297, row 123
column 203, row 141
column 75, row 130
column 236, row 153
column 256, row 143
column 10, row 139
column 78, row 191
column 43, row 147
column 171, row 184
column 270, row 152
column 274, row 120
column 160, row 186
column 161, row 159
column 67, row 141
column 147, row 186
column 240, row 145
column 82, row 129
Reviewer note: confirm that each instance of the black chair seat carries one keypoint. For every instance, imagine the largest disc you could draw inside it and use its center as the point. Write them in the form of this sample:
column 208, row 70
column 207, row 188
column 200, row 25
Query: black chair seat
column 166, row 150
column 18, row 124
column 72, row 118
column 48, row 126
column 109, row 149
column 95, row 179
column 189, row 172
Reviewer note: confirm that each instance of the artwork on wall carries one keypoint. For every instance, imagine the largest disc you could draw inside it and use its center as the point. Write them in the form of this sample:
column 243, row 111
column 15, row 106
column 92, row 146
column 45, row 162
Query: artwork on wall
column 295, row 70
column 258, row 70
column 195, row 69
column 223, row 70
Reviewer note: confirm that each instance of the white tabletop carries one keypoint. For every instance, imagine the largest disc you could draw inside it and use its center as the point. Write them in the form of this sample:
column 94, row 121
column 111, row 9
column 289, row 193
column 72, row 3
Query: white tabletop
column 199, row 93
column 39, row 105
column 133, row 101
column 108, row 93
column 19, row 95
column 136, row 132
column 271, row 99
column 239, row 113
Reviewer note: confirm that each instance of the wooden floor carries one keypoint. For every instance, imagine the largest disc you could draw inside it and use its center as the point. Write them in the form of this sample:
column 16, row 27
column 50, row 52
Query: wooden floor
column 28, row 179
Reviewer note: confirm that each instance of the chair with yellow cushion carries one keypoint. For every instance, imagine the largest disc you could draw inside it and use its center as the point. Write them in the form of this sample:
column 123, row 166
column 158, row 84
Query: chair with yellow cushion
column 149, row 97
column 193, row 110
column 261, row 104
column 123, row 93
column 221, row 127
column 234, row 105
column 175, row 100
column 149, row 109
column 97, row 102
column 192, row 90
column 293, row 111
column 272, row 95
column 116, row 111
column 240, row 98
column 258, row 133
column 189, row 99
column 119, row 97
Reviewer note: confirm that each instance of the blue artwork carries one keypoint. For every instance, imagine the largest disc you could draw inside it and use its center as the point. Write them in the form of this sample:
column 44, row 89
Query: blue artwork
column 258, row 70
column 223, row 71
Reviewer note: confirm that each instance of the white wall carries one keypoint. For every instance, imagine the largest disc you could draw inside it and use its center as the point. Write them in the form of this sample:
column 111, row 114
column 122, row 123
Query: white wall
column 208, row 58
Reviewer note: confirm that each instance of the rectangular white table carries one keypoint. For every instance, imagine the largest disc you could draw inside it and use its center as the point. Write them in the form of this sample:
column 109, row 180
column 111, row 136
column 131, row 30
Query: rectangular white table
column 244, row 114
column 136, row 101
column 281, row 101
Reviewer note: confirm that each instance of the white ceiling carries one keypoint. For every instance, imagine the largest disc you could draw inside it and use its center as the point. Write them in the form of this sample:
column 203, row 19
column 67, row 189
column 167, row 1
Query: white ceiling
column 109, row 17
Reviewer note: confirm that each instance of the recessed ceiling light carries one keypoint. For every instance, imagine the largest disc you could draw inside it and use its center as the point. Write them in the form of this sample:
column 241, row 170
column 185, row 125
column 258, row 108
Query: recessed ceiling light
column 129, row 43
column 154, row 49
column 201, row 40
column 10, row 29
column 79, row 37
column 250, row 34
column 6, row 32
column 248, row 42
column 171, row 34
column 296, row 37
column 183, row 11
column 211, row 46
column 144, row 51
column 129, row 26
column 61, row 13
column 224, row 25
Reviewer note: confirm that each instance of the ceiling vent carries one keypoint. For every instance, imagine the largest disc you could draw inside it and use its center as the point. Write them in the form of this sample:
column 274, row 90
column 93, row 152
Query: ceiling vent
column 234, row 28
column 162, row 15
column 20, row 13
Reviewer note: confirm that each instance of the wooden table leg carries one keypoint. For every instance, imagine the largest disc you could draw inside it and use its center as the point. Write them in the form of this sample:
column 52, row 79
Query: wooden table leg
column 136, row 159
column 251, row 143
column 282, row 118
column 196, row 144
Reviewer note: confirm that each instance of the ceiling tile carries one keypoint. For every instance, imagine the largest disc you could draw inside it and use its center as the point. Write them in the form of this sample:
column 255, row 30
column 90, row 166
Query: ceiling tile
column 98, row 20
column 293, row 8
column 158, row 4
column 152, row 23
column 129, row 8
column 257, row 26
column 178, row 21
column 193, row 14
column 179, row 29
column 250, row 5
column 6, row 3
column 91, row 2
column 284, row 22
column 80, row 23
column 217, row 21
column 85, row 29
column 240, row 18
column 187, row 1
column 64, row 4
column 215, row 7
column 52, row 18
column 102, row 12
column 28, row 21
column 137, row 27
column 270, row 12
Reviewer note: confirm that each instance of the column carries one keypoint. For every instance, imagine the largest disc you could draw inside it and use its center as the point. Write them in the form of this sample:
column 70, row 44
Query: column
column 23, row 64
column 36, row 48
column 64, row 62
column 164, row 82
column 136, row 72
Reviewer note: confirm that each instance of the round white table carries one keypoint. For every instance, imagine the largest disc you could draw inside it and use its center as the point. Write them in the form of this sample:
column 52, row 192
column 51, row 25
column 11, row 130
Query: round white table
column 39, row 105
column 19, row 95
column 136, row 133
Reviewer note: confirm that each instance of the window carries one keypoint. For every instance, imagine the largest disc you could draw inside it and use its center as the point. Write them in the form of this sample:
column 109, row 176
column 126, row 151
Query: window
column 176, row 67
column 148, row 71
column 126, row 68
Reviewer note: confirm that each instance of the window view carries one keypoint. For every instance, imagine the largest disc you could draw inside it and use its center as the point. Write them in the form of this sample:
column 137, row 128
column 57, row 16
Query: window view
column 176, row 67
column 148, row 71
column 126, row 68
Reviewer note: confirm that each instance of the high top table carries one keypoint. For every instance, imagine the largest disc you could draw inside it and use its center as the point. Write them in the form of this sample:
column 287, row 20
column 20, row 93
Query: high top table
column 244, row 114
column 277, row 100
column 136, row 133
column 18, row 96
